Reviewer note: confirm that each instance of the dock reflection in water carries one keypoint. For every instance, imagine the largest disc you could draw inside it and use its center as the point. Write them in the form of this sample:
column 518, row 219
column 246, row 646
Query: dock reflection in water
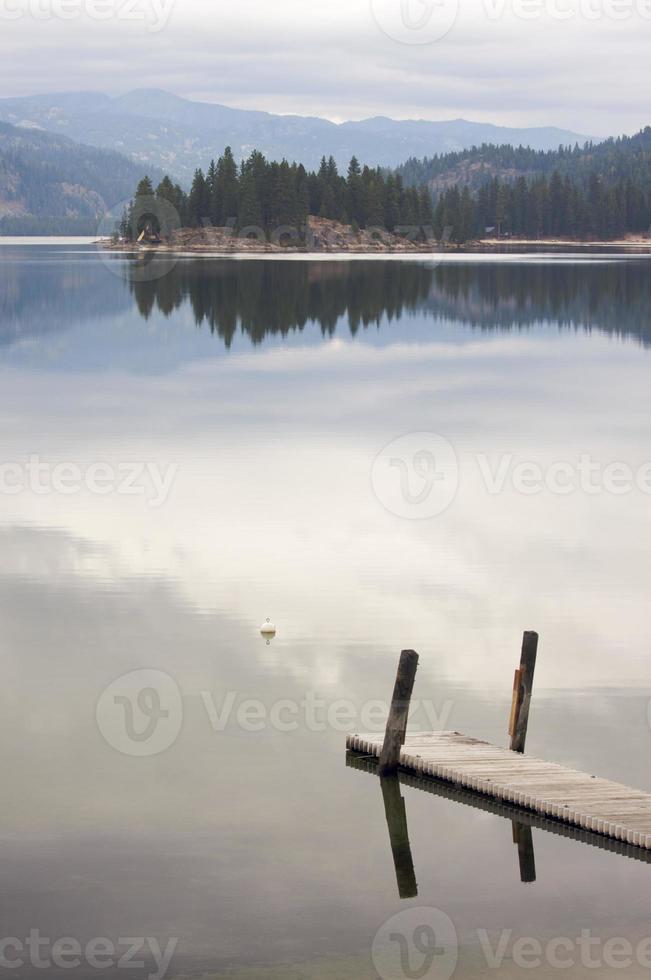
column 523, row 822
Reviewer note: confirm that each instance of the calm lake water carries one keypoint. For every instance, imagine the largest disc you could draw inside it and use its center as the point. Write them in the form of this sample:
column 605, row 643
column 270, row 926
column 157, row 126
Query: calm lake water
column 191, row 447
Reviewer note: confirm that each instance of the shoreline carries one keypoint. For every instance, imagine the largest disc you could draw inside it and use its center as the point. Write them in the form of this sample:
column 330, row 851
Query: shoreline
column 551, row 244
column 242, row 248
column 327, row 237
column 477, row 248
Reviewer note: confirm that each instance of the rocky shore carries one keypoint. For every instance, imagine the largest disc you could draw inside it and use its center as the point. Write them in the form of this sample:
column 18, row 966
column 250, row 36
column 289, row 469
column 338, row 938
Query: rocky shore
column 321, row 235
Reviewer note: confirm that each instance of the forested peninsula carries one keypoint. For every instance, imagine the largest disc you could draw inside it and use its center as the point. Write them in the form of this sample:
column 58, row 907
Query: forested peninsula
column 489, row 196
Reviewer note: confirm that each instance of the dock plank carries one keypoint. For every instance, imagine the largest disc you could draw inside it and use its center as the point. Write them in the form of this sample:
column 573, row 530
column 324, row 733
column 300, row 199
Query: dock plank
column 547, row 788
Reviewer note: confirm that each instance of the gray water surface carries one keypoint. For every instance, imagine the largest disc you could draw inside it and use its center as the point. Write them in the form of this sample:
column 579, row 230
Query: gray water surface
column 206, row 798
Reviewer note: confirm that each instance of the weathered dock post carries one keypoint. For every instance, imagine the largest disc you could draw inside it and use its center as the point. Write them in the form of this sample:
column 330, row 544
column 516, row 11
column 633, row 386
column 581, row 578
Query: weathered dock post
column 396, row 730
column 522, row 690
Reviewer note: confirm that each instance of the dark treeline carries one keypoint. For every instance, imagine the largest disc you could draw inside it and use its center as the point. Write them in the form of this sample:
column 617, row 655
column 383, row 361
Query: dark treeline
column 599, row 190
column 32, row 224
column 542, row 207
column 596, row 191
column 261, row 299
column 626, row 156
column 479, row 163
column 259, row 194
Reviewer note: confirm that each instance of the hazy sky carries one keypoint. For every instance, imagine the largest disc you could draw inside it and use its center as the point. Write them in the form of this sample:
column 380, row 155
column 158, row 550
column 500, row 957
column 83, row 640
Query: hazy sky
column 581, row 64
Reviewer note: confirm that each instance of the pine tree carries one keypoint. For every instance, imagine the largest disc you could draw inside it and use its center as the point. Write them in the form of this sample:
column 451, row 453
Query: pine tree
column 198, row 201
column 302, row 193
column 355, row 194
column 211, row 191
column 375, row 203
column 466, row 217
column 226, row 188
column 391, row 203
column 283, row 208
column 426, row 211
column 249, row 215
column 143, row 211
column 172, row 216
column 124, row 228
column 329, row 207
column 145, row 188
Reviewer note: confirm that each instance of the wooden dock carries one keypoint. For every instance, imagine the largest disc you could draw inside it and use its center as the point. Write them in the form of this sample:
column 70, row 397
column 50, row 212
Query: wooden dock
column 553, row 791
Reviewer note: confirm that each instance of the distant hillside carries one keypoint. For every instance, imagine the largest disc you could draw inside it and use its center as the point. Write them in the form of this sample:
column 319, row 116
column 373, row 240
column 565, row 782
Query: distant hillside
column 625, row 157
column 161, row 130
column 51, row 185
column 600, row 192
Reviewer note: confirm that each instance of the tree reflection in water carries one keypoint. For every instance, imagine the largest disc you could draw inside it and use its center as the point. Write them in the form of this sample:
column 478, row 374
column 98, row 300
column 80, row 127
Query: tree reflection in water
column 272, row 298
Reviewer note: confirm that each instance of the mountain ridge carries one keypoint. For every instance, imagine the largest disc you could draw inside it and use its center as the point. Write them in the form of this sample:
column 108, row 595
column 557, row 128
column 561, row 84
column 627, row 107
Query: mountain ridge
column 161, row 130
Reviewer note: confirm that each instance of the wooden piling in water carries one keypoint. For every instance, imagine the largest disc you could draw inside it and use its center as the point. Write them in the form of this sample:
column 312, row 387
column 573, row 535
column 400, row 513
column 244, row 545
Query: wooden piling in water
column 396, row 729
column 522, row 690
column 396, row 816
column 523, row 838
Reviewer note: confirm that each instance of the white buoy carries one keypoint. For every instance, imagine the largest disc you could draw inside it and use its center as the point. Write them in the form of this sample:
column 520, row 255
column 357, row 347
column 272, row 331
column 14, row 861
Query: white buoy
column 268, row 629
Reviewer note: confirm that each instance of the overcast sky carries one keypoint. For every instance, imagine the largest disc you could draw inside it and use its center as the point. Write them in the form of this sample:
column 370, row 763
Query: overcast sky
column 580, row 64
